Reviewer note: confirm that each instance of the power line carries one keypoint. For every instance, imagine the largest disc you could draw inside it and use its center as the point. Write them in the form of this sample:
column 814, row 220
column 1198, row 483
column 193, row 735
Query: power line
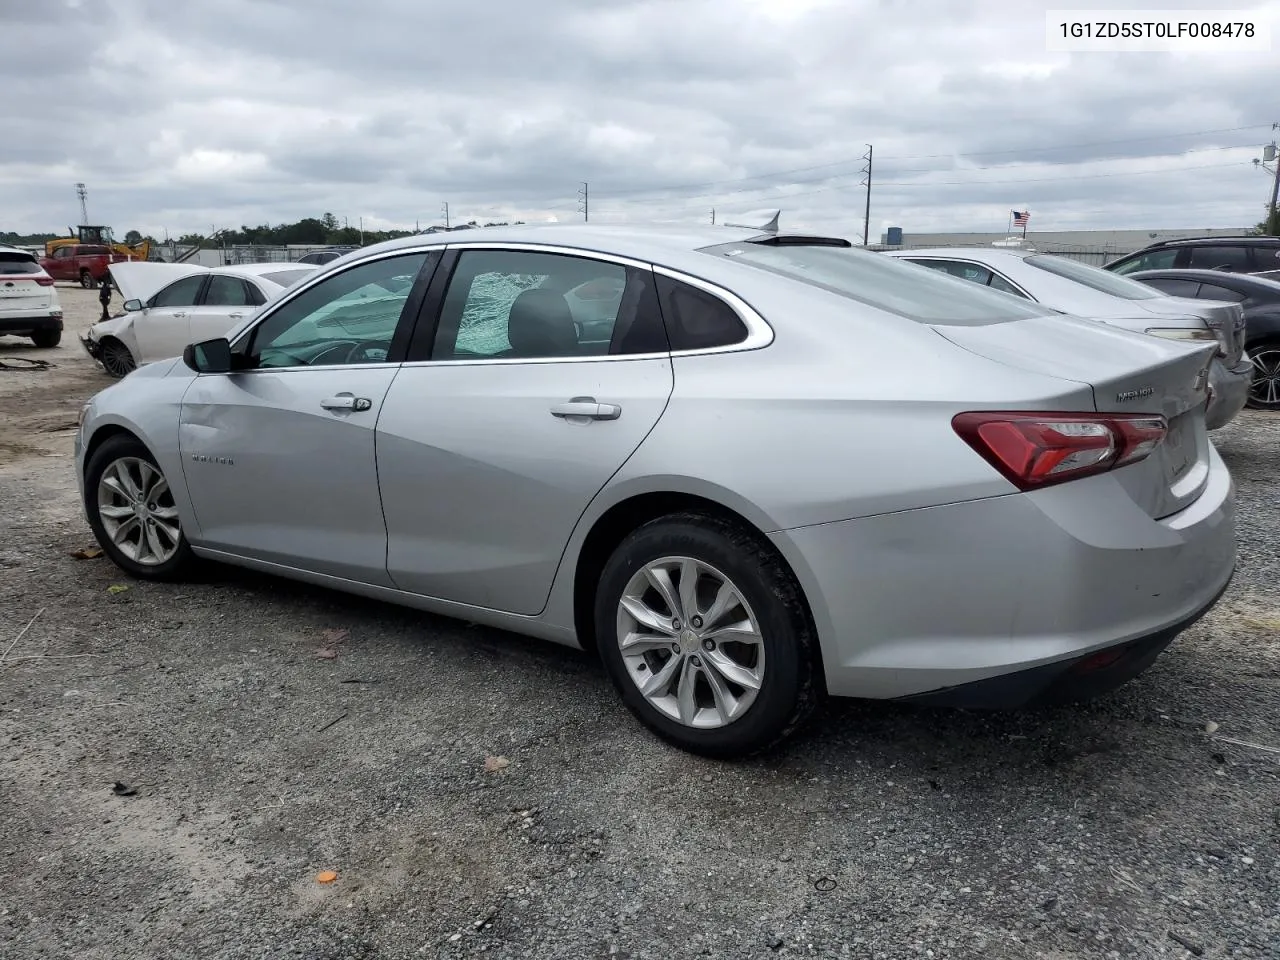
column 938, row 156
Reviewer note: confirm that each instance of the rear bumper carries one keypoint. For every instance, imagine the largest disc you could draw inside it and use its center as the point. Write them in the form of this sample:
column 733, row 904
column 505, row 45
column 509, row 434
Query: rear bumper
column 25, row 326
column 1230, row 387
column 927, row 600
column 1063, row 681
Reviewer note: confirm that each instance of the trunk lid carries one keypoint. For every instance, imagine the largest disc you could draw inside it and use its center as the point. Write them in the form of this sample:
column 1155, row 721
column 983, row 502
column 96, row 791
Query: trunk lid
column 1128, row 373
column 1226, row 320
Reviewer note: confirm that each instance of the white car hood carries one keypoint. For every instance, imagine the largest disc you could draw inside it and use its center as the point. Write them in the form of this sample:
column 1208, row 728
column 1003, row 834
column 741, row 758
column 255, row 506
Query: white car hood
column 139, row 281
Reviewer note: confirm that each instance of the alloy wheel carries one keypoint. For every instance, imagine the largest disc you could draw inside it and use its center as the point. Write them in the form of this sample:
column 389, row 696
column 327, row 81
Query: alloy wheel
column 1264, row 391
column 137, row 511
column 690, row 642
column 116, row 359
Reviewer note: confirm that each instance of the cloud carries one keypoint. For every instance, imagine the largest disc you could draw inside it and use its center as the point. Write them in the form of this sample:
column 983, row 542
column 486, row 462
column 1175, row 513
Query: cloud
column 184, row 116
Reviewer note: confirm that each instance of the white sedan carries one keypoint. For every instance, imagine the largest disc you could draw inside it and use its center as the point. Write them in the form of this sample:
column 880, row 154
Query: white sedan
column 168, row 305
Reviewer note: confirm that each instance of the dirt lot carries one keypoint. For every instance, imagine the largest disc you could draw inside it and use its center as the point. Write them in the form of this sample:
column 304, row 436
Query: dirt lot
column 251, row 763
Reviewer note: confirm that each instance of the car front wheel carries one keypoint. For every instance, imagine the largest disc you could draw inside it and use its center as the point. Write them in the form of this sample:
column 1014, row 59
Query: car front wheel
column 706, row 635
column 116, row 358
column 132, row 512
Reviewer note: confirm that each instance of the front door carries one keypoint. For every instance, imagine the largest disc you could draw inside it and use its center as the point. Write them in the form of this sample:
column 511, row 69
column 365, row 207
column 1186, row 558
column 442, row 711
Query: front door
column 279, row 458
column 226, row 301
column 163, row 327
column 545, row 375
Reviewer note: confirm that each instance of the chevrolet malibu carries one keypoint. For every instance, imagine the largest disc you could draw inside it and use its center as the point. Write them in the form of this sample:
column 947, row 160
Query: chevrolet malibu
column 747, row 469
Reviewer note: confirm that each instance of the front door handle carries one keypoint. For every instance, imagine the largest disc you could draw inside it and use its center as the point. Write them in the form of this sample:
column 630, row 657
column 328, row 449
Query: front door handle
column 179, row 316
column 587, row 407
column 235, row 316
column 345, row 401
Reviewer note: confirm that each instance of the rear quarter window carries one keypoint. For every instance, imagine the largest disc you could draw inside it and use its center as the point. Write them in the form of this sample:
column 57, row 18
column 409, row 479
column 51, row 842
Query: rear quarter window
column 696, row 319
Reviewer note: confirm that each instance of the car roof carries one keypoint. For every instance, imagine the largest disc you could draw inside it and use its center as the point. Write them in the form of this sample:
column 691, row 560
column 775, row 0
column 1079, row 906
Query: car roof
column 6, row 248
column 644, row 242
column 261, row 269
column 971, row 253
column 1212, row 241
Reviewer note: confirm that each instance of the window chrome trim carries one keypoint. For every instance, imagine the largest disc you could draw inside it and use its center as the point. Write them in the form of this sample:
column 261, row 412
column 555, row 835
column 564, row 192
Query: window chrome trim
column 759, row 333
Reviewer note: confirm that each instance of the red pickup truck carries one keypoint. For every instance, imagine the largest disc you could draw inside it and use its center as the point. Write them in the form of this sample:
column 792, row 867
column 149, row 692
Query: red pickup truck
column 84, row 262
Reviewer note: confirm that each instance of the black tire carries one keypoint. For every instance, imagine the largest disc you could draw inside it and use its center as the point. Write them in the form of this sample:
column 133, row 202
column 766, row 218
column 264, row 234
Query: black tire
column 116, row 358
column 46, row 339
column 86, row 280
column 1266, row 375
column 177, row 567
column 789, row 688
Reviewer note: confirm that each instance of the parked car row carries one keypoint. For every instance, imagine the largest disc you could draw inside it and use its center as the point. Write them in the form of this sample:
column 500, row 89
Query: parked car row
column 688, row 451
column 1075, row 288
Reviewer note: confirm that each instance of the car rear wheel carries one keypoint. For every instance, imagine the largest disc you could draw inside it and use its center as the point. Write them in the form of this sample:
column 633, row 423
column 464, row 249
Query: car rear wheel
column 46, row 338
column 1264, row 391
column 132, row 512
column 116, row 358
column 86, row 279
column 706, row 635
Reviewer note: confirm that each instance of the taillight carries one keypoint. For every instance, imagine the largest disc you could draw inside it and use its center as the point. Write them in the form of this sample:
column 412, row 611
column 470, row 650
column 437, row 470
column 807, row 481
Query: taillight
column 1036, row 450
column 44, row 281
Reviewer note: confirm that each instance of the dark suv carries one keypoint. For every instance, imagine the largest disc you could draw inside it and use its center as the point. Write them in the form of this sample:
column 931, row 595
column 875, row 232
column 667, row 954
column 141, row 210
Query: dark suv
column 1228, row 254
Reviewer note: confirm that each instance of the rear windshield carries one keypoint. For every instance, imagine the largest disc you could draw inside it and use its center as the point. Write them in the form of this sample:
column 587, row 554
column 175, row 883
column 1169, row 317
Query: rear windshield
column 1102, row 280
column 286, row 278
column 880, row 281
column 15, row 263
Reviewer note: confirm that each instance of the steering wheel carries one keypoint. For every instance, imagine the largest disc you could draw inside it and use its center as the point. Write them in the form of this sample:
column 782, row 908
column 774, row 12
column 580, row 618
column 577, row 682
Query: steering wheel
column 368, row 351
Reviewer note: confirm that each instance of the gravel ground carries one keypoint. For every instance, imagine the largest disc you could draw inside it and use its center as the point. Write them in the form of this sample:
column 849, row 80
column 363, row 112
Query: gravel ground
column 265, row 731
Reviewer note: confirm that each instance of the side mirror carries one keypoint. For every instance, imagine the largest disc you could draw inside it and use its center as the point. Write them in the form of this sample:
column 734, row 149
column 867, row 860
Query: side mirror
column 208, row 356
column 132, row 306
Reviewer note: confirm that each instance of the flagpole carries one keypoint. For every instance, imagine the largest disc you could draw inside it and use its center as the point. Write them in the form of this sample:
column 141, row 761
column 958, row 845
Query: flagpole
column 1009, row 229
column 1025, row 220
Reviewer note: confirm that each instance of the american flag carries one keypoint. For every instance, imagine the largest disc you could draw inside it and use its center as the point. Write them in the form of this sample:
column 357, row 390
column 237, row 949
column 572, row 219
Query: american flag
column 1021, row 219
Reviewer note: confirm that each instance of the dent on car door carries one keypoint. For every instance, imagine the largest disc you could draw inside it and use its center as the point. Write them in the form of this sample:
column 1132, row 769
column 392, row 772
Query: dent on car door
column 544, row 374
column 279, row 454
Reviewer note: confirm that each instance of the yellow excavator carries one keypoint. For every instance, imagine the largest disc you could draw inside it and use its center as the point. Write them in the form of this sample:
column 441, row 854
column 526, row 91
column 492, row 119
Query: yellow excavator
column 99, row 236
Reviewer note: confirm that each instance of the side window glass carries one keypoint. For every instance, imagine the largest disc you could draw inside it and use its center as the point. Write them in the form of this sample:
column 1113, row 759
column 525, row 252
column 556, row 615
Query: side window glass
column 697, row 320
column 1175, row 288
column 964, row 271
column 256, row 297
column 1211, row 291
column 226, row 291
column 350, row 317
column 180, row 293
column 512, row 304
column 1214, row 257
column 64, row 253
column 1000, row 283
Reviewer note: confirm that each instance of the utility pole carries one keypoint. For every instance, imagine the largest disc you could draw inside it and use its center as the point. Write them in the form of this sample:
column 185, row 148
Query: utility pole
column 1273, row 212
column 362, row 231
column 445, row 208
column 584, row 197
column 713, row 216
column 82, row 192
column 866, row 220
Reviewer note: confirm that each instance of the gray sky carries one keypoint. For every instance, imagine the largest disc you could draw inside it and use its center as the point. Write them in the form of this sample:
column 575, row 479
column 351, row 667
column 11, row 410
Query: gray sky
column 184, row 115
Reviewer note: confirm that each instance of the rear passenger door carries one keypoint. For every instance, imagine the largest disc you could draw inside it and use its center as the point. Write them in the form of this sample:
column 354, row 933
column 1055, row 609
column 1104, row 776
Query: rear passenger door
column 531, row 379
column 226, row 301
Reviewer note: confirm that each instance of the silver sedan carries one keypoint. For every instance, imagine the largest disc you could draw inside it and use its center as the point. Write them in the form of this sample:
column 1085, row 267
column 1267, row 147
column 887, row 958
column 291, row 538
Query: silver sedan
column 1085, row 291
column 699, row 453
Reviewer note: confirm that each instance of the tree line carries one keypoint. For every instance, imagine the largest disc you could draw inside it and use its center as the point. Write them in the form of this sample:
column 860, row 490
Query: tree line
column 314, row 231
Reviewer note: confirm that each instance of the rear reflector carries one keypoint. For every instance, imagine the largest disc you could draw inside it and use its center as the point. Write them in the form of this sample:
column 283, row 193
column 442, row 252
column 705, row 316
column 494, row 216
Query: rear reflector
column 1036, row 449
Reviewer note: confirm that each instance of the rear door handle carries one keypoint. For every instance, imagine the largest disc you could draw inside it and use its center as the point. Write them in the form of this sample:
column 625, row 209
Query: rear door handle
column 587, row 407
column 235, row 316
column 179, row 316
column 345, row 401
